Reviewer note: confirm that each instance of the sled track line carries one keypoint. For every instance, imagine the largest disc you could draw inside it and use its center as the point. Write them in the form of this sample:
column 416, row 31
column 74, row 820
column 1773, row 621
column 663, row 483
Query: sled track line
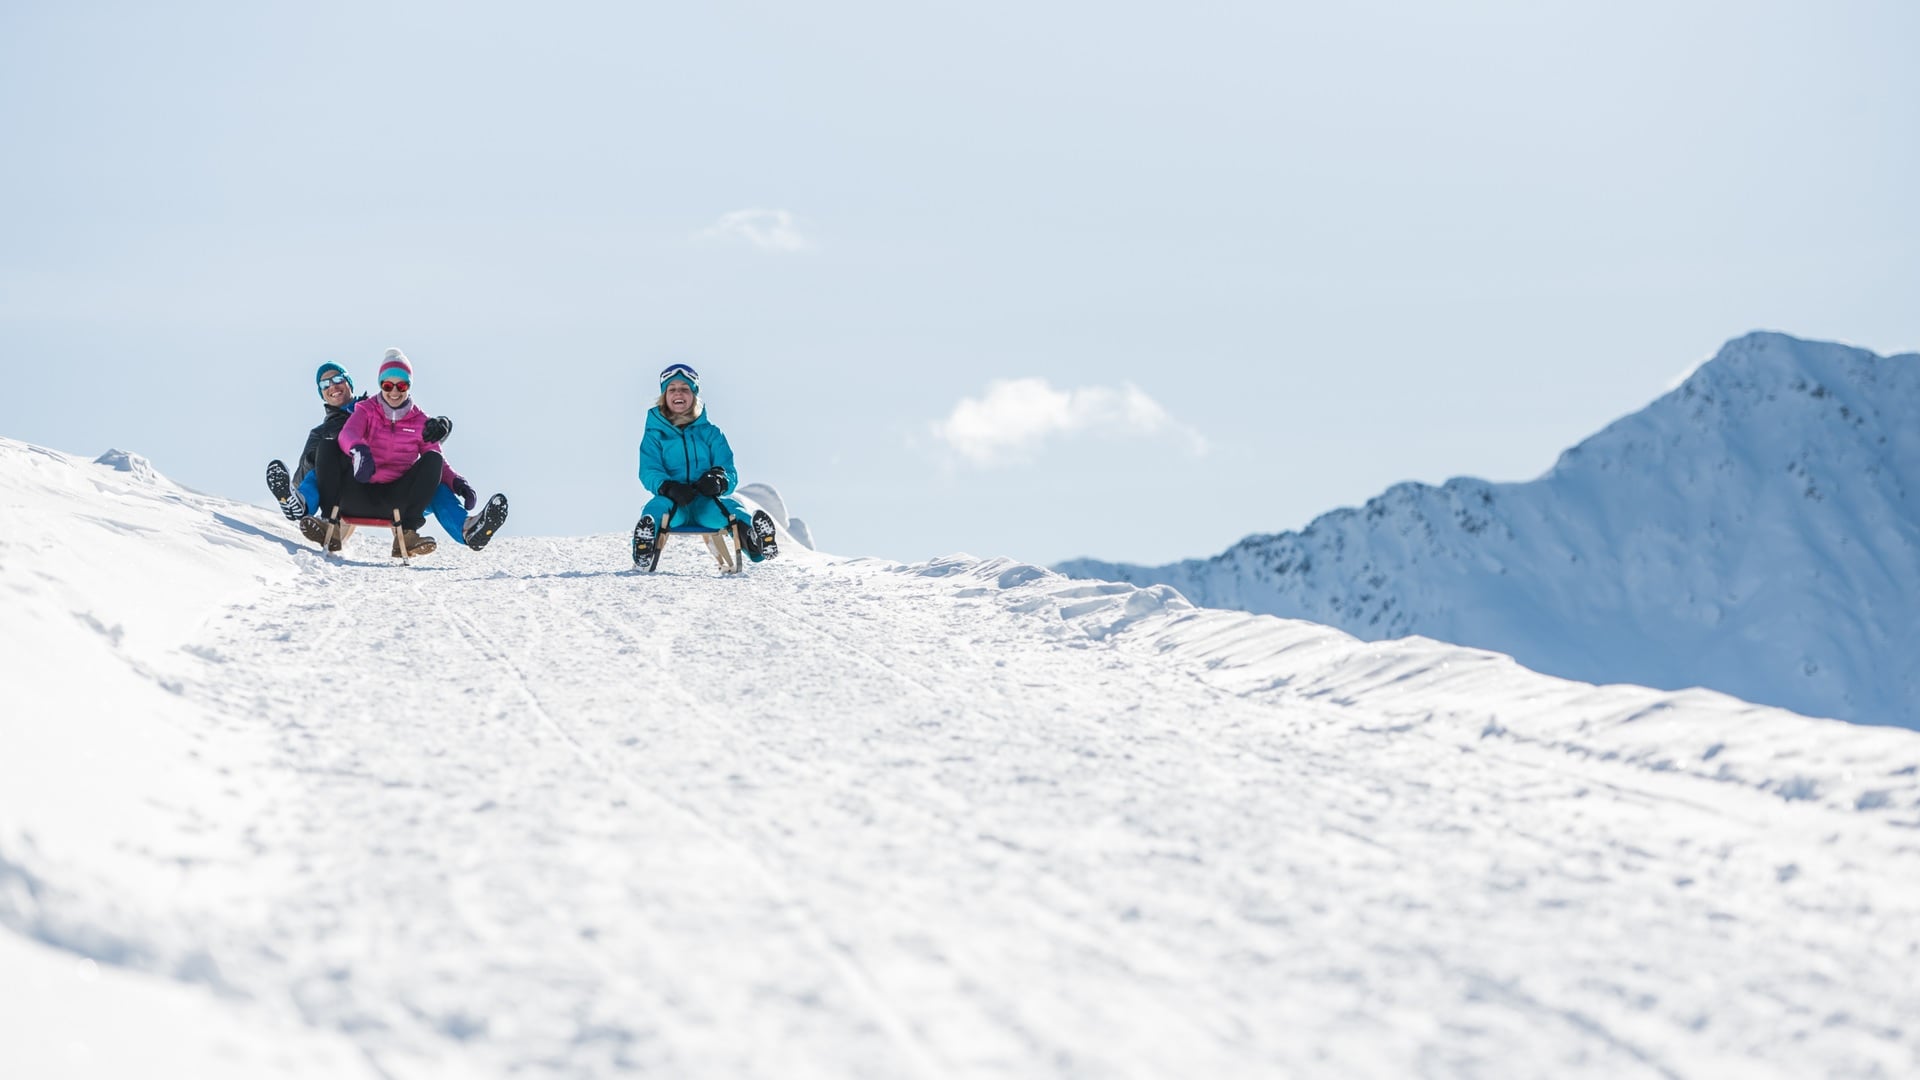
column 964, row 712
column 1125, row 946
column 797, row 914
column 820, row 628
column 1222, row 750
column 368, row 588
column 1000, row 1011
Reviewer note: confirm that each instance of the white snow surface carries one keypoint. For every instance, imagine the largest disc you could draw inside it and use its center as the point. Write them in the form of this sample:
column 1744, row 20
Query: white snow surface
column 526, row 813
column 1756, row 531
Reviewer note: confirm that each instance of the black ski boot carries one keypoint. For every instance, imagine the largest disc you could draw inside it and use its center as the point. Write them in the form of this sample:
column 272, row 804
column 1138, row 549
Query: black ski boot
column 762, row 542
column 481, row 526
column 281, row 485
column 646, row 547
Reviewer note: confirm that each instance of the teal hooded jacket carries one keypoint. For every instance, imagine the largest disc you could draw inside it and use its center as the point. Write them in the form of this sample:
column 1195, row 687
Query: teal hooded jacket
column 684, row 453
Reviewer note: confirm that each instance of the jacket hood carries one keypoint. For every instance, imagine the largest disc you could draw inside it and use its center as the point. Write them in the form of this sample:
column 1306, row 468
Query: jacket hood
column 656, row 418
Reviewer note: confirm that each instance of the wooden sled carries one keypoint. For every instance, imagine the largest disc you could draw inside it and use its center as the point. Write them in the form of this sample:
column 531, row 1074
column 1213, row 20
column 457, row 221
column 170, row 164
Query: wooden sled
column 725, row 553
column 339, row 528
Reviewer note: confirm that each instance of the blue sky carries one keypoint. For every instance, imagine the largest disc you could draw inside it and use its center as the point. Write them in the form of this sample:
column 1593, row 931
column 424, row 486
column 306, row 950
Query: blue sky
column 1120, row 280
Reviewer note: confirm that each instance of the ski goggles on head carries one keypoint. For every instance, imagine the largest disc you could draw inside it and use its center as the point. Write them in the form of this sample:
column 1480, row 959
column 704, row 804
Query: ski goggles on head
column 683, row 372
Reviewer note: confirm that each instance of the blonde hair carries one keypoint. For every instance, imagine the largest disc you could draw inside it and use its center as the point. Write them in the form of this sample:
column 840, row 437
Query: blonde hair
column 693, row 414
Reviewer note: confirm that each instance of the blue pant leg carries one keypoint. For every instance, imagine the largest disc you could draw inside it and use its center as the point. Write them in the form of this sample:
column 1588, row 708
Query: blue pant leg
column 658, row 508
column 714, row 514
column 310, row 494
column 737, row 512
column 450, row 512
column 740, row 515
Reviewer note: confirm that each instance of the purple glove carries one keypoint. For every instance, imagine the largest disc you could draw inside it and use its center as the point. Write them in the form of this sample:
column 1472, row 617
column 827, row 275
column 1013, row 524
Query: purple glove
column 362, row 463
column 465, row 490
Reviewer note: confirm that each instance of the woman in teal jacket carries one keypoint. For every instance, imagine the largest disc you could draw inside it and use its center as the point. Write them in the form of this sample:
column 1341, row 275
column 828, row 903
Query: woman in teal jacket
column 687, row 464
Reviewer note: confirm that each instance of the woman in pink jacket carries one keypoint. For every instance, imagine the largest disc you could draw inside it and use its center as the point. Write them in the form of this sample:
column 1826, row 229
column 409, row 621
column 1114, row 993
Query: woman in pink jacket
column 390, row 464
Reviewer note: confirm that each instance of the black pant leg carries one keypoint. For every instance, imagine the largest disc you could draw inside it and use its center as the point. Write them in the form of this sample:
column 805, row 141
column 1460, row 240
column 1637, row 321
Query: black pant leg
column 414, row 489
column 333, row 470
column 356, row 499
column 408, row 493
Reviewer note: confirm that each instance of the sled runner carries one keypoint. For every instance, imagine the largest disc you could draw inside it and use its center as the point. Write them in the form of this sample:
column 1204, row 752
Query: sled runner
column 339, row 528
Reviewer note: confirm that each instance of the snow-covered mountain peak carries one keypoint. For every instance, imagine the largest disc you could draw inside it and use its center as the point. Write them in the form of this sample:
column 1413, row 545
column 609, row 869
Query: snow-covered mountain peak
column 1755, row 530
column 1762, row 393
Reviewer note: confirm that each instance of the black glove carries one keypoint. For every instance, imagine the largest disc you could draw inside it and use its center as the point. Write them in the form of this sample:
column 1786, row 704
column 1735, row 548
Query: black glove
column 468, row 497
column 362, row 463
column 712, row 482
column 680, row 493
column 437, row 430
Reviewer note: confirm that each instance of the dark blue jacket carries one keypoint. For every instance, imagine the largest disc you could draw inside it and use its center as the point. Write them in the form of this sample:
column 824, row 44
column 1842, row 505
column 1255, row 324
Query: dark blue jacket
column 335, row 418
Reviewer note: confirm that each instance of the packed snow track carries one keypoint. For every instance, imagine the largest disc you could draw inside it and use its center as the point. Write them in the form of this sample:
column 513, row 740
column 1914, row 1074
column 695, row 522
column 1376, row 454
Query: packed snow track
column 528, row 813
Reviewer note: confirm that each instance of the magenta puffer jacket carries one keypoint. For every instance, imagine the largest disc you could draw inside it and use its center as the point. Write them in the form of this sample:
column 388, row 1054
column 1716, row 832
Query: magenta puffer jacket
column 396, row 444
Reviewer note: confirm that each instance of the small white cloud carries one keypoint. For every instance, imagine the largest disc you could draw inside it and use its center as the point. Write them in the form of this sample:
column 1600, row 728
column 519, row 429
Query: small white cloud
column 768, row 230
column 1016, row 415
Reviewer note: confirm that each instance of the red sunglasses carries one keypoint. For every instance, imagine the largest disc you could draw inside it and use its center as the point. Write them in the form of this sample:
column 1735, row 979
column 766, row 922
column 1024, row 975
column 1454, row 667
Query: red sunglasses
column 390, row 387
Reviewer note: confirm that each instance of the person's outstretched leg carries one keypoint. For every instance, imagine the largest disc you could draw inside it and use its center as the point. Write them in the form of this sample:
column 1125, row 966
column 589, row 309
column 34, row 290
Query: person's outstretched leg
column 450, row 512
column 334, row 489
column 335, row 486
column 414, row 490
column 408, row 496
column 758, row 538
column 311, row 525
column 310, row 492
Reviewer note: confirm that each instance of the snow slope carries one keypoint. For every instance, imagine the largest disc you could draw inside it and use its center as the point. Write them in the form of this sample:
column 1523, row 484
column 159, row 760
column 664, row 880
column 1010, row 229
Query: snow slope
column 1757, row 531
column 521, row 813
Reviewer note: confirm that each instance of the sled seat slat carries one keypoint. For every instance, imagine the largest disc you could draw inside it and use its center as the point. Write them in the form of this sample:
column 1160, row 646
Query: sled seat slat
column 724, row 553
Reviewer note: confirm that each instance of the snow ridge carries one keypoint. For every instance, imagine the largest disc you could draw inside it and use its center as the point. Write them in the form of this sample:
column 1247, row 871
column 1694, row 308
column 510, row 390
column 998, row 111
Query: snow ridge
column 1473, row 694
column 1756, row 531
